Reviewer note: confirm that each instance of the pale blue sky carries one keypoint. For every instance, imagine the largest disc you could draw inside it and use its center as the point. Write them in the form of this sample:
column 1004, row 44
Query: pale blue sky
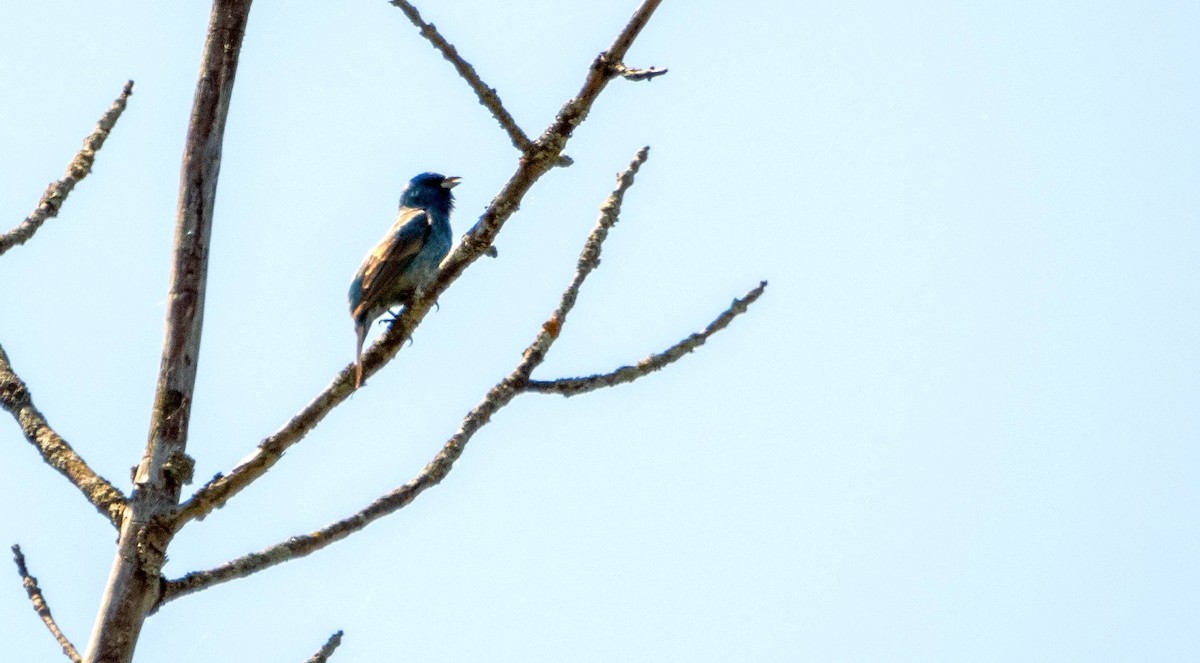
column 961, row 424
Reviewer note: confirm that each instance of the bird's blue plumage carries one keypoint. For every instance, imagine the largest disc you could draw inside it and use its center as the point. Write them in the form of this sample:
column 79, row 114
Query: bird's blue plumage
column 407, row 257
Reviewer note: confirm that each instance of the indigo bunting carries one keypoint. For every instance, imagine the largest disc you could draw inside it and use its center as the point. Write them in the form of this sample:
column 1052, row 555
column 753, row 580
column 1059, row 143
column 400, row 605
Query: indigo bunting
column 407, row 257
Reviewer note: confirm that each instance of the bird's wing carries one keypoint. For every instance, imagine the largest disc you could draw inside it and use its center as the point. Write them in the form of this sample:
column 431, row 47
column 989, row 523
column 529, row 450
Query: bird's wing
column 388, row 260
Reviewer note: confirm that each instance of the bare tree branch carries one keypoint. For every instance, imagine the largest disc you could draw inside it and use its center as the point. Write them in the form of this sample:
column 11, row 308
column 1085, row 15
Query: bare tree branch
column 545, row 150
column 487, row 95
column 52, row 200
column 306, row 544
column 134, row 582
column 589, row 258
column 327, row 649
column 576, row 386
column 150, row 518
column 437, row 469
column 15, row 397
column 640, row 74
column 41, row 607
column 542, row 156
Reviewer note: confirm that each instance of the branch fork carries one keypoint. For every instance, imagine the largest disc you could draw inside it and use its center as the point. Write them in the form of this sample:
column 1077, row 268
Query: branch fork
column 153, row 515
column 501, row 394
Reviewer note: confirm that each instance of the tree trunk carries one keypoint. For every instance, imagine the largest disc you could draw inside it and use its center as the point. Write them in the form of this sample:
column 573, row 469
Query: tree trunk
column 134, row 585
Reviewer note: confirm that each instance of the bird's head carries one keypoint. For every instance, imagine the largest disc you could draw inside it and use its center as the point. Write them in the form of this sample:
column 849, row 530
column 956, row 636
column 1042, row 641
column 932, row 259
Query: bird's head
column 430, row 191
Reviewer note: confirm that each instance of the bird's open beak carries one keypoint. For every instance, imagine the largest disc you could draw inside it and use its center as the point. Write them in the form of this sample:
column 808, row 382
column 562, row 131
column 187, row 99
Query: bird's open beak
column 451, row 182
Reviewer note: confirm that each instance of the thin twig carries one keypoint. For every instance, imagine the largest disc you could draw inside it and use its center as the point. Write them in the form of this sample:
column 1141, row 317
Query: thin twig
column 576, row 386
column 327, row 649
column 487, row 95
column 650, row 73
column 16, row 399
column 589, row 260
column 545, row 151
column 41, row 607
column 80, row 166
column 543, row 155
column 497, row 397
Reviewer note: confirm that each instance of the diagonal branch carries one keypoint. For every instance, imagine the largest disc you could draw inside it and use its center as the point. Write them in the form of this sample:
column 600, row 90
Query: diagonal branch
column 300, row 546
column 544, row 153
column 576, row 386
column 15, row 397
column 327, row 649
column 221, row 487
column 52, row 200
column 487, row 95
column 542, row 156
column 497, row 397
column 589, row 260
column 41, row 607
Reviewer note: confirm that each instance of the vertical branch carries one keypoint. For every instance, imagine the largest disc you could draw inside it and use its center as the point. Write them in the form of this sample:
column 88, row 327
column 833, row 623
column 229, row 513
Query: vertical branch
column 134, row 582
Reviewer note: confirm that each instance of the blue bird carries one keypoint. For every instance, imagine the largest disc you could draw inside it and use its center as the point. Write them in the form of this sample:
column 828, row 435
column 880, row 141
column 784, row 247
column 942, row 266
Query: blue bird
column 407, row 257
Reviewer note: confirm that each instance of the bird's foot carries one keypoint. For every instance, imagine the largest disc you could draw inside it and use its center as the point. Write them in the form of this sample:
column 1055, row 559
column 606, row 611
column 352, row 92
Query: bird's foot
column 395, row 314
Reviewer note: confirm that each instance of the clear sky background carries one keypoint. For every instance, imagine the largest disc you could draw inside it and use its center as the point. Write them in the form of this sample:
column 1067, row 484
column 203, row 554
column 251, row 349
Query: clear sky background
column 961, row 425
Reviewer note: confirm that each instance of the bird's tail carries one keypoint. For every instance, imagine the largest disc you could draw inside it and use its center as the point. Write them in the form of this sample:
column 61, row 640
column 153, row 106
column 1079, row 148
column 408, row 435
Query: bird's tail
column 361, row 329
